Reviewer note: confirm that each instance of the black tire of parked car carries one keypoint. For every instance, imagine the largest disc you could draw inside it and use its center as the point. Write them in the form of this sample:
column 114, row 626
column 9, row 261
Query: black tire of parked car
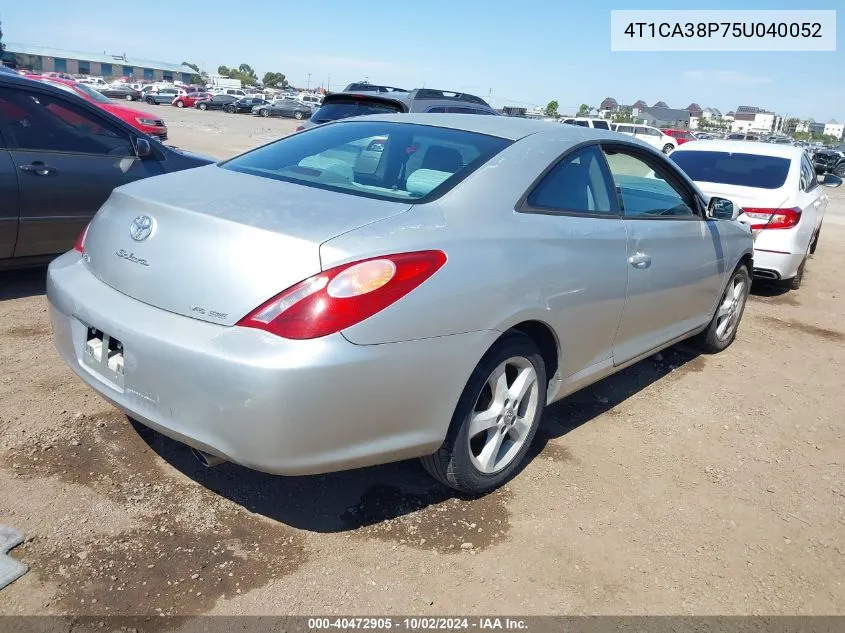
column 297, row 114
column 451, row 464
column 815, row 241
column 264, row 112
column 230, row 109
column 202, row 106
column 839, row 170
column 668, row 148
column 180, row 104
column 151, row 101
column 708, row 341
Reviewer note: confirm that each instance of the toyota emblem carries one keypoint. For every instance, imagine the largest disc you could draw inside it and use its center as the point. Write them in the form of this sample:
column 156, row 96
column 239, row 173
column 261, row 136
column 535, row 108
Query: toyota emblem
column 141, row 228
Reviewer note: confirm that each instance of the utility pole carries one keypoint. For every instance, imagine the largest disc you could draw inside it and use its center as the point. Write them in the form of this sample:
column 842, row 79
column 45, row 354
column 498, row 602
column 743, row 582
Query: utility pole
column 329, row 83
column 309, row 82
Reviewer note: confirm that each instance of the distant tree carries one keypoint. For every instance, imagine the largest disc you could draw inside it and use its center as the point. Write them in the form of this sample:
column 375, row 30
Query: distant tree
column 197, row 77
column 274, row 80
column 244, row 72
column 551, row 108
column 2, row 45
column 621, row 117
column 584, row 110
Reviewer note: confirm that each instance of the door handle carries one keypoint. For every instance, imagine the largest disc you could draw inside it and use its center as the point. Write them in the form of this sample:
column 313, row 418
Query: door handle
column 38, row 168
column 640, row 260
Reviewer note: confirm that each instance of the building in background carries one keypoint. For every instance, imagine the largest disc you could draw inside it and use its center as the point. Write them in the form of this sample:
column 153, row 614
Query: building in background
column 663, row 117
column 751, row 119
column 45, row 59
column 834, row 129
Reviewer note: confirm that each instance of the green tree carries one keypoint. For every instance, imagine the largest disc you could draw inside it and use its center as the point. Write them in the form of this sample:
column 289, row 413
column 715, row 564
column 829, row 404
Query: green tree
column 584, row 110
column 197, row 77
column 274, row 80
column 244, row 72
column 622, row 117
column 551, row 108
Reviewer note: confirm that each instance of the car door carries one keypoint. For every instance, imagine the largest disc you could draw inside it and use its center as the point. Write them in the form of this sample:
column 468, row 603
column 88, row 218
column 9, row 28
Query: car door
column 576, row 211
column 67, row 159
column 813, row 201
column 9, row 199
column 650, row 136
column 676, row 258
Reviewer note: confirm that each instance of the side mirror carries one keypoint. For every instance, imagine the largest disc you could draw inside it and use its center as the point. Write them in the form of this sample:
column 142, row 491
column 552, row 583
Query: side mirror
column 831, row 180
column 722, row 209
column 143, row 149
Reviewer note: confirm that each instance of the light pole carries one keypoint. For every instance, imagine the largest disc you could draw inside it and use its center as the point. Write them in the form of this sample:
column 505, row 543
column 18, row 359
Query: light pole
column 309, row 82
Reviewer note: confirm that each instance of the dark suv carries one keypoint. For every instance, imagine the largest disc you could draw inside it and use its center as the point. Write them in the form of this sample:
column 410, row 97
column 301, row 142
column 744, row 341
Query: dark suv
column 830, row 161
column 342, row 105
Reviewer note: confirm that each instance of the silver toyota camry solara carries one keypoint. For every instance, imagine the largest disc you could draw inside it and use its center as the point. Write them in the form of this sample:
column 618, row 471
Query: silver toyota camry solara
column 393, row 286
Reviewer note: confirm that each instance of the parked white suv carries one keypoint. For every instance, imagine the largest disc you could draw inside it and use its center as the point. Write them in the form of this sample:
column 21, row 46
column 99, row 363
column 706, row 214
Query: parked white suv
column 599, row 124
column 650, row 135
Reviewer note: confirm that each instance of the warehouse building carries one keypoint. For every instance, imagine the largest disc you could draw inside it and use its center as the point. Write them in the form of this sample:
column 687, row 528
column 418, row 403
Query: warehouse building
column 45, row 59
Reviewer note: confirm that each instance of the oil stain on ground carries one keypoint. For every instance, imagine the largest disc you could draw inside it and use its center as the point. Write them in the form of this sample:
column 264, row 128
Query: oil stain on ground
column 27, row 331
column 818, row 332
column 189, row 548
column 431, row 520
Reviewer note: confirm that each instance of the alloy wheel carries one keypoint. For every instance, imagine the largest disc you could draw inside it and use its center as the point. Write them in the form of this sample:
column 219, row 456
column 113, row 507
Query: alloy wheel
column 503, row 415
column 730, row 308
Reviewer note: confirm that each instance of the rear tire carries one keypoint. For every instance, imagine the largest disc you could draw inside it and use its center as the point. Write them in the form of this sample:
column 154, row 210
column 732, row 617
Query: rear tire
column 495, row 419
column 721, row 331
column 297, row 115
column 264, row 112
column 180, row 104
column 840, row 170
column 128, row 97
column 202, row 106
column 668, row 148
column 795, row 282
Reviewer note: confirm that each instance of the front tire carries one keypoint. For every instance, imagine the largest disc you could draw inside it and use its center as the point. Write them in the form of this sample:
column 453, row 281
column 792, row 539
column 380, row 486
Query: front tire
column 264, row 112
column 202, row 106
column 815, row 242
column 723, row 327
column 128, row 97
column 840, row 170
column 495, row 420
column 668, row 148
column 180, row 104
column 297, row 115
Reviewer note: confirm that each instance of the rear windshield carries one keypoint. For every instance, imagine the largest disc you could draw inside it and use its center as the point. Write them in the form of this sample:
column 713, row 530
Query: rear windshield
column 376, row 159
column 745, row 170
column 351, row 106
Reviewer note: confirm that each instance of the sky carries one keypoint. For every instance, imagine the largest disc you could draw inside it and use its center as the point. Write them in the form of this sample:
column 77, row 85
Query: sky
column 512, row 53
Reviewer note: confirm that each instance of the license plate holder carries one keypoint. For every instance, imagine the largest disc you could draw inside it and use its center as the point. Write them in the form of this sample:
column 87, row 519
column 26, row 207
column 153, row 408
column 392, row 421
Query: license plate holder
column 103, row 355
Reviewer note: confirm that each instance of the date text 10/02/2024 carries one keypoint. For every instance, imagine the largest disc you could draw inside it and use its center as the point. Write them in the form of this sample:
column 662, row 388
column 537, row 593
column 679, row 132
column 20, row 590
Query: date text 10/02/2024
column 419, row 623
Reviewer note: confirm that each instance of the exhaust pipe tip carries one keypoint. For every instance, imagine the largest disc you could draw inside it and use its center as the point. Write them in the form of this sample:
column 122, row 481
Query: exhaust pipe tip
column 206, row 459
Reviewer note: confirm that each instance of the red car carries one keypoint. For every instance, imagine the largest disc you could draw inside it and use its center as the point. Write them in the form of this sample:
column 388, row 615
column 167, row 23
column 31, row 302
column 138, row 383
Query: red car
column 189, row 99
column 682, row 136
column 144, row 121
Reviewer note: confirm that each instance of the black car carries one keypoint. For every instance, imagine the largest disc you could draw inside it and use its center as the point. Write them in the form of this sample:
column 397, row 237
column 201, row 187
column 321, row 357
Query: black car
column 245, row 104
column 284, row 107
column 120, row 92
column 217, row 102
column 830, row 161
column 60, row 158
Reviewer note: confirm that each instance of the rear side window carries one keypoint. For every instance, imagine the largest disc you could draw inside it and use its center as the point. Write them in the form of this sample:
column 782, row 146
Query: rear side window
column 377, row 159
column 582, row 123
column 578, row 183
column 601, row 125
column 745, row 170
column 349, row 107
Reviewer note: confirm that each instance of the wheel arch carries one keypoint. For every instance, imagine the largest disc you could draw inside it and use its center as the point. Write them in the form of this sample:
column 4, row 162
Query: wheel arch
column 546, row 341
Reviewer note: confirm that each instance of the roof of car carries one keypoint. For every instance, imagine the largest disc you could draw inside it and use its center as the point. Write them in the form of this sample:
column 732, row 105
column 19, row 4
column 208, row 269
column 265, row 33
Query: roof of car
column 743, row 147
column 511, row 128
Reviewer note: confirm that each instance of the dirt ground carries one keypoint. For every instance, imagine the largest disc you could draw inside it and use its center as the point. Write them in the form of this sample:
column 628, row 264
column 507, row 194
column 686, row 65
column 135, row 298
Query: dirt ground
column 683, row 485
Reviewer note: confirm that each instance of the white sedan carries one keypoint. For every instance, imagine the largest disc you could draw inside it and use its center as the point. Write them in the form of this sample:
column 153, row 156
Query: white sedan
column 777, row 187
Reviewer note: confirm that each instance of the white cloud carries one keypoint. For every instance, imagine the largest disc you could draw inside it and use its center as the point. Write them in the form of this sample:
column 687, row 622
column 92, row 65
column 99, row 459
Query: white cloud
column 724, row 77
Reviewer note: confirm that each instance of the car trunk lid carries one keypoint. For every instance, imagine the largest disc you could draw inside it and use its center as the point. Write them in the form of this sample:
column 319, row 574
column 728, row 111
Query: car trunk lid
column 221, row 242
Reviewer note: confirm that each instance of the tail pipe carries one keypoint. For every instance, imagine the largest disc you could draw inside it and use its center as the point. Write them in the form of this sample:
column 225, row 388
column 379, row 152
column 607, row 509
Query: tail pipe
column 206, row 459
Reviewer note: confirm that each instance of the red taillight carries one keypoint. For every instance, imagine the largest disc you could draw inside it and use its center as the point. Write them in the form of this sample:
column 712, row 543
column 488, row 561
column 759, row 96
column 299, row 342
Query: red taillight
column 773, row 218
column 79, row 245
column 340, row 297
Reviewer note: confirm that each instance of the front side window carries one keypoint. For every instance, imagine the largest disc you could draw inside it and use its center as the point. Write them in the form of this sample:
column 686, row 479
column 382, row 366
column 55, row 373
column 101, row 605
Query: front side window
column 46, row 123
column 578, row 183
column 377, row 159
column 644, row 188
